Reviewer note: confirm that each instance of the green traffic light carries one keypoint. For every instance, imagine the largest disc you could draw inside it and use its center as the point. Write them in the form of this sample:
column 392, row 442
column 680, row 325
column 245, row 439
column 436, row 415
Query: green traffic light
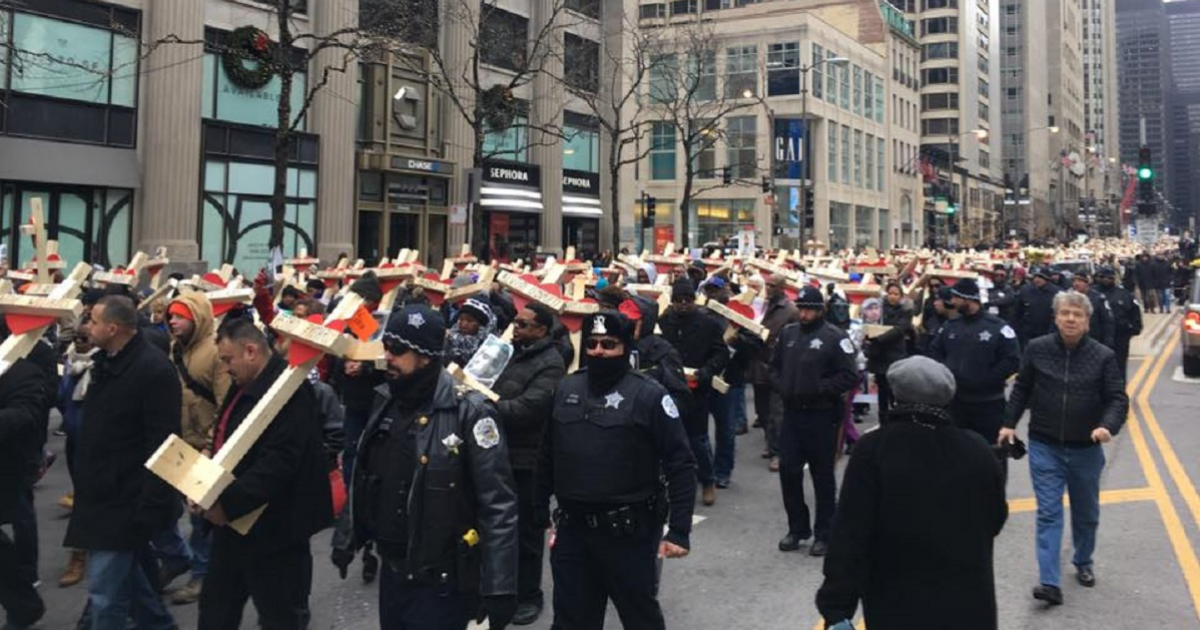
column 951, row 210
column 1145, row 172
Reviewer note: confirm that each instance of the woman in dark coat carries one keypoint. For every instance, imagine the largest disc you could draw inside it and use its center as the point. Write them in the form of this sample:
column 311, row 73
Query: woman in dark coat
column 921, row 504
column 885, row 349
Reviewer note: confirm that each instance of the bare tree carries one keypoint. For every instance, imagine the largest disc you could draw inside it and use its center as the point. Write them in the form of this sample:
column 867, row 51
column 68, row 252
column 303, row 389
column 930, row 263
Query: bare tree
column 683, row 92
column 614, row 93
column 503, row 55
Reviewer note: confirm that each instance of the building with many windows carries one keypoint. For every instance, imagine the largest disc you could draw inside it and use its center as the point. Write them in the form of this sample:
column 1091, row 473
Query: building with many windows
column 804, row 88
column 123, row 118
column 1183, row 106
column 1103, row 190
column 1142, row 81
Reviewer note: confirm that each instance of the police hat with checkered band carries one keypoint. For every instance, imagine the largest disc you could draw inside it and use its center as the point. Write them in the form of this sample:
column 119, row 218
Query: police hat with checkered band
column 608, row 323
column 416, row 327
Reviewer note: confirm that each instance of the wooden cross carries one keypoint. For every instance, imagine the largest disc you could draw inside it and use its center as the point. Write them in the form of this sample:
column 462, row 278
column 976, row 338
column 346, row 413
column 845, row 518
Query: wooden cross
column 202, row 480
column 155, row 267
column 574, row 311
column 734, row 317
column 36, row 230
column 28, row 316
column 127, row 276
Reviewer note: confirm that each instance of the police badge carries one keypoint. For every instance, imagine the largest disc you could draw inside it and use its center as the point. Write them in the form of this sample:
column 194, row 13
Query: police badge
column 486, row 433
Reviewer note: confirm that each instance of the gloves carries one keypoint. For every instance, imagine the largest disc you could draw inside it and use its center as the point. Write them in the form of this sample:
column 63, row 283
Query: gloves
column 499, row 611
column 341, row 559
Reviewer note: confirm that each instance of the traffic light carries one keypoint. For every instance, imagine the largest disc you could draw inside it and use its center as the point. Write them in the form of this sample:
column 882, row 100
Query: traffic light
column 766, row 184
column 1145, row 170
column 727, row 176
column 648, row 215
column 810, row 209
column 1145, row 175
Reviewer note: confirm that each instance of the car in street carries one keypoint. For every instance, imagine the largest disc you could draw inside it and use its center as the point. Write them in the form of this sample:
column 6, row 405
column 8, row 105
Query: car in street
column 1189, row 332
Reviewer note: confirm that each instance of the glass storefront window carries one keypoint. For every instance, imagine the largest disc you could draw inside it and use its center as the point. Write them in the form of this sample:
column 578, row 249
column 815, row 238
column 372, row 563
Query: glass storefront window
column 90, row 224
column 72, row 61
column 237, row 213
column 225, row 101
column 508, row 144
column 714, row 219
column 864, row 226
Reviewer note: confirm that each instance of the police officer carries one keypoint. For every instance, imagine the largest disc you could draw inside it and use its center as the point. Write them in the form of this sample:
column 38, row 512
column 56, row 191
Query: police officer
column 1002, row 297
column 1126, row 312
column 981, row 351
column 1034, row 315
column 813, row 367
column 611, row 511
column 1102, row 327
column 433, row 490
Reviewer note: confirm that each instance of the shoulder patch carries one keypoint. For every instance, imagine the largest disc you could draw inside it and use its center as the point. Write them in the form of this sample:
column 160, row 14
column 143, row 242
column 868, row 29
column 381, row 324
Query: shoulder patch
column 847, row 346
column 1008, row 332
column 668, row 405
column 486, row 433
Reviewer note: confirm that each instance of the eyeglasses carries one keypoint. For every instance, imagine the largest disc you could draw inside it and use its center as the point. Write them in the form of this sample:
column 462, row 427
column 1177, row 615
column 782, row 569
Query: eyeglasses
column 607, row 344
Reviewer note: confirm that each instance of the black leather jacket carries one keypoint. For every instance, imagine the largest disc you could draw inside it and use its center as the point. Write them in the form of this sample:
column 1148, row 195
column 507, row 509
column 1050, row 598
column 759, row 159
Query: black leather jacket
column 455, row 490
column 1069, row 393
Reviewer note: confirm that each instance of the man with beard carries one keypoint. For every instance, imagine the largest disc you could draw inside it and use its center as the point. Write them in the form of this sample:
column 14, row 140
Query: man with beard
column 1126, row 313
column 285, row 471
column 1002, row 297
column 526, row 390
column 768, row 408
column 812, row 368
column 433, row 489
column 610, row 515
column 698, row 338
column 1034, row 316
column 1101, row 328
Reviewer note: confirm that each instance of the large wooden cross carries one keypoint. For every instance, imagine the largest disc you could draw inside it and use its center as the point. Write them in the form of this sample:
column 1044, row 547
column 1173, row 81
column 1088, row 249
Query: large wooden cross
column 36, row 230
column 28, row 316
column 202, row 480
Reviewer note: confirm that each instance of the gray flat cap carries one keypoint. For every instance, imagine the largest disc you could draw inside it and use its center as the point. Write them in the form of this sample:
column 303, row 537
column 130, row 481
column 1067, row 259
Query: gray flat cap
column 922, row 381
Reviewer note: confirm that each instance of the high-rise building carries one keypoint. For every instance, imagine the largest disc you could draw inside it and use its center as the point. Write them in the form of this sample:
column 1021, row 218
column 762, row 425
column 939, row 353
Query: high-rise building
column 1026, row 117
column 1100, row 114
column 961, row 113
column 1183, row 106
column 1142, row 82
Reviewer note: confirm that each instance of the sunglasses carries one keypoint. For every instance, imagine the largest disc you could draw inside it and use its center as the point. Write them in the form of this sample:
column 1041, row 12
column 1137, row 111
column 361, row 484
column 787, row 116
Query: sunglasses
column 607, row 344
column 395, row 348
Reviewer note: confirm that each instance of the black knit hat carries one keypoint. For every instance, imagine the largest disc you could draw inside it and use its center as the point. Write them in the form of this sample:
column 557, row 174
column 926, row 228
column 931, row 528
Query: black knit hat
column 966, row 289
column 1042, row 272
column 683, row 288
column 810, row 298
column 1104, row 271
column 368, row 288
column 477, row 309
column 608, row 322
column 415, row 327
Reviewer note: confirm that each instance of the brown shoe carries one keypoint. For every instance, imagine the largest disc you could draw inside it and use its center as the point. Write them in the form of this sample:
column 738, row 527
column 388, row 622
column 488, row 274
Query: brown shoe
column 76, row 567
column 709, row 496
column 773, row 465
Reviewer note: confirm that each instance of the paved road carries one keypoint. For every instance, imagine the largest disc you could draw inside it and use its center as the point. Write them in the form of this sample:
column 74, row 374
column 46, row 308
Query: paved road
column 1146, row 560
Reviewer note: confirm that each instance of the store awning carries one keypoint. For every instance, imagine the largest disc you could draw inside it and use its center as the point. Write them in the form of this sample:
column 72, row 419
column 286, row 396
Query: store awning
column 573, row 206
column 495, row 197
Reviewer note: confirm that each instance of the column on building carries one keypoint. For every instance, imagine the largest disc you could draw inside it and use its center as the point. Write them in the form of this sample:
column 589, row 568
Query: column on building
column 333, row 121
column 546, row 113
column 171, row 131
column 458, row 135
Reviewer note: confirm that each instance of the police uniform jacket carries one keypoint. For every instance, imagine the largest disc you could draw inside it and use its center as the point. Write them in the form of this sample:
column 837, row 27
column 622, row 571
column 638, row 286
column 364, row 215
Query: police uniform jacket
column 462, row 482
column 1035, row 315
column 813, row 369
column 1126, row 312
column 1101, row 327
column 981, row 351
column 603, row 450
column 1002, row 301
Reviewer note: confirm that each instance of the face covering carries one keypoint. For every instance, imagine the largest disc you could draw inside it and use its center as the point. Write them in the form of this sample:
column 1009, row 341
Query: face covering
column 604, row 372
column 418, row 387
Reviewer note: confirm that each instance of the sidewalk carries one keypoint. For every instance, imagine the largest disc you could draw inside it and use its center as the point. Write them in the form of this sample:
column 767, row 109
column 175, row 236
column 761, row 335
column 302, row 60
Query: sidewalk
column 1156, row 328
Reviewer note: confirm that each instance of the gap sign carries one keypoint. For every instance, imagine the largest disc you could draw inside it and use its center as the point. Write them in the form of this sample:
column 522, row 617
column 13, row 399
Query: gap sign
column 788, row 145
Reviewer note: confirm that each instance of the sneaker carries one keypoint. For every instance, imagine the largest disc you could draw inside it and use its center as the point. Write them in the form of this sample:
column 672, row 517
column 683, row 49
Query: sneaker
column 1050, row 594
column 1086, row 577
column 818, row 549
column 189, row 594
column 527, row 613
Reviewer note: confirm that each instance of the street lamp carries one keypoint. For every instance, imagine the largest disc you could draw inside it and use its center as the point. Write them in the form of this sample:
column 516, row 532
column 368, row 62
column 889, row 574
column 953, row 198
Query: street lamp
column 805, row 179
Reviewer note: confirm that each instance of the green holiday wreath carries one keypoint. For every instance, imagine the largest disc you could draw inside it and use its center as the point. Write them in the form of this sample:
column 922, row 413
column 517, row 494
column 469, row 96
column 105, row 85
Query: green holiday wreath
column 248, row 43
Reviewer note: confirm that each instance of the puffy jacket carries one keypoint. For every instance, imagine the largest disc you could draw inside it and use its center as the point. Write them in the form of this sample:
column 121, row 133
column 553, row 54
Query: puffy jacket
column 1068, row 392
column 469, row 486
column 526, row 390
column 206, row 383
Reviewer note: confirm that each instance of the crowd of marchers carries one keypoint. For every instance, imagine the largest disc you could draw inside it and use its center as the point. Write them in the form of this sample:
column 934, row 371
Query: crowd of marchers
column 450, row 492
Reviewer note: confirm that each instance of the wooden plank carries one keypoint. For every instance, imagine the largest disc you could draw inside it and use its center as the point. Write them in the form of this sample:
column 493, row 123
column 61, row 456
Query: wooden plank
column 531, row 291
column 37, row 305
column 160, row 292
column 734, row 317
column 36, row 230
column 468, row 381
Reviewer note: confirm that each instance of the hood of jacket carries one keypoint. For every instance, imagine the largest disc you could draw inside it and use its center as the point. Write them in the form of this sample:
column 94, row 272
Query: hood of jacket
column 649, row 312
column 202, row 314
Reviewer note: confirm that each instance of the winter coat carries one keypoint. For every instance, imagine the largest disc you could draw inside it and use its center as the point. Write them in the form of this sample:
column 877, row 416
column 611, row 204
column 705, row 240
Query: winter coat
column 357, row 392
column 922, row 502
column 658, row 359
column 982, row 351
column 1035, row 312
column 699, row 340
column 206, row 382
column 1068, row 392
column 133, row 404
column 813, row 367
column 285, row 469
column 780, row 313
column 526, row 390
column 22, row 391
column 891, row 346
column 460, row 488
column 1161, row 274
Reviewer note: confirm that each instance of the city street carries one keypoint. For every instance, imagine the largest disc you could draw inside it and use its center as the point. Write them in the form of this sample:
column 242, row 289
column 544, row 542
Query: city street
column 1146, row 560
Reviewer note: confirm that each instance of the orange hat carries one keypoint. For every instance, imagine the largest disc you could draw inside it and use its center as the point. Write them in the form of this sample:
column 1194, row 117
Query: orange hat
column 182, row 310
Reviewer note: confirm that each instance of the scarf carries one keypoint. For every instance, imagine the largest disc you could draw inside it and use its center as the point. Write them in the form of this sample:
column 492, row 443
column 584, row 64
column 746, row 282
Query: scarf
column 80, row 364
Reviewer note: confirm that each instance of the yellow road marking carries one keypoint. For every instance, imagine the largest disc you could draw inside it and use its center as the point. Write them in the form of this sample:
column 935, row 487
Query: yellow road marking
column 1182, row 481
column 1107, row 497
column 1184, row 551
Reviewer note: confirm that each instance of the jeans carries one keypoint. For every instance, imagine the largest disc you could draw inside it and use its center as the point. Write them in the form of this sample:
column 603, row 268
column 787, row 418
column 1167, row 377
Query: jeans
column 723, row 411
column 118, row 586
column 1165, row 301
column 737, row 406
column 702, row 451
column 1053, row 467
column 171, row 549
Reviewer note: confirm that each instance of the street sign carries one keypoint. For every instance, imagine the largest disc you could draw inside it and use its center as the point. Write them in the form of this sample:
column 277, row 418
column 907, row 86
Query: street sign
column 1147, row 231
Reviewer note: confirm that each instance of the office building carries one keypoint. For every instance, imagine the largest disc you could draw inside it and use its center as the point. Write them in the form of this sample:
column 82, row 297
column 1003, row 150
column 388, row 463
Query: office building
column 1142, row 82
column 1183, row 107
